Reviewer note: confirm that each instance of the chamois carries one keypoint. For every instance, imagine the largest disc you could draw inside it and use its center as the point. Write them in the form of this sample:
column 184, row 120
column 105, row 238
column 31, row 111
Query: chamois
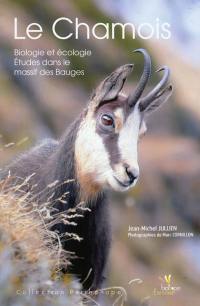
column 97, row 153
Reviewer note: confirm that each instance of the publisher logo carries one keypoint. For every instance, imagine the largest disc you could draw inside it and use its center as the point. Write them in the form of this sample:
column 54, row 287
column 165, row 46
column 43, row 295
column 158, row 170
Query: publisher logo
column 168, row 279
column 167, row 286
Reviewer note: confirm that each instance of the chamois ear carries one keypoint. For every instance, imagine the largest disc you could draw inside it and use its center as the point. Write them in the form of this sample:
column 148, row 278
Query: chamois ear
column 110, row 87
column 157, row 101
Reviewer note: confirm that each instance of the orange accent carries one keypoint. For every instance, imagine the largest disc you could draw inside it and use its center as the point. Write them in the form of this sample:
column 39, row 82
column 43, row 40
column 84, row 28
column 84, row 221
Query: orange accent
column 118, row 124
column 88, row 188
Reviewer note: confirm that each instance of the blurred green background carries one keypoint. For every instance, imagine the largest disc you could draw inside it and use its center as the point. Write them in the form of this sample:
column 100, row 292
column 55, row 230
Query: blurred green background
column 168, row 193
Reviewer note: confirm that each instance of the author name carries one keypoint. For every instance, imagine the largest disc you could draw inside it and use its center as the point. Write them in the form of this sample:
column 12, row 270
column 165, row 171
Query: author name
column 156, row 228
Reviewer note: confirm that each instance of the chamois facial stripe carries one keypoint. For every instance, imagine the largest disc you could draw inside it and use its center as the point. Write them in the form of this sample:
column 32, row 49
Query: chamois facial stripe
column 128, row 138
column 111, row 141
column 111, row 146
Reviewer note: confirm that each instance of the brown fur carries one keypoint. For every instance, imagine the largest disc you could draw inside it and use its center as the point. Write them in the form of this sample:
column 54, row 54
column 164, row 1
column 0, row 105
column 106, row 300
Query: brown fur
column 88, row 188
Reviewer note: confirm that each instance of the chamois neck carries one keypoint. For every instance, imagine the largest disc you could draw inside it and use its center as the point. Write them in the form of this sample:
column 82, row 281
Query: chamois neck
column 62, row 166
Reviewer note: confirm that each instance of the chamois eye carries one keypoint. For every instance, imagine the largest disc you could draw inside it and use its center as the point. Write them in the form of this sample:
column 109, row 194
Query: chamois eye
column 107, row 120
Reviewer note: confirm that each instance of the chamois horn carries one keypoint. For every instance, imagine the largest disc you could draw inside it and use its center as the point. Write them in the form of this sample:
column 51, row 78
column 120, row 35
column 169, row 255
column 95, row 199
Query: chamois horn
column 157, row 90
column 136, row 94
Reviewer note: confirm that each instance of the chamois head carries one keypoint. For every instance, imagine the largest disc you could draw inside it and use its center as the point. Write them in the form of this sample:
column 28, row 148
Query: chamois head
column 106, row 144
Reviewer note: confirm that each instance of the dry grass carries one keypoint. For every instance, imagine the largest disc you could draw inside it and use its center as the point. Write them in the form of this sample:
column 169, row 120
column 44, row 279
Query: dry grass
column 28, row 225
column 24, row 224
column 31, row 254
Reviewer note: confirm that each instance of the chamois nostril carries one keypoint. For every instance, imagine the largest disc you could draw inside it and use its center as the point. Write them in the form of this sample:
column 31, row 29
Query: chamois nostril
column 131, row 175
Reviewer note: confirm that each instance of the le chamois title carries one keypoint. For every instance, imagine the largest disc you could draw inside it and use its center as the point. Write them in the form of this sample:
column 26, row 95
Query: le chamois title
column 77, row 29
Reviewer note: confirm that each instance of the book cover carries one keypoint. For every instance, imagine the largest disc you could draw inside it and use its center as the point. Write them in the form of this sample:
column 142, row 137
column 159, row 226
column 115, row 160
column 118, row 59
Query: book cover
column 99, row 153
